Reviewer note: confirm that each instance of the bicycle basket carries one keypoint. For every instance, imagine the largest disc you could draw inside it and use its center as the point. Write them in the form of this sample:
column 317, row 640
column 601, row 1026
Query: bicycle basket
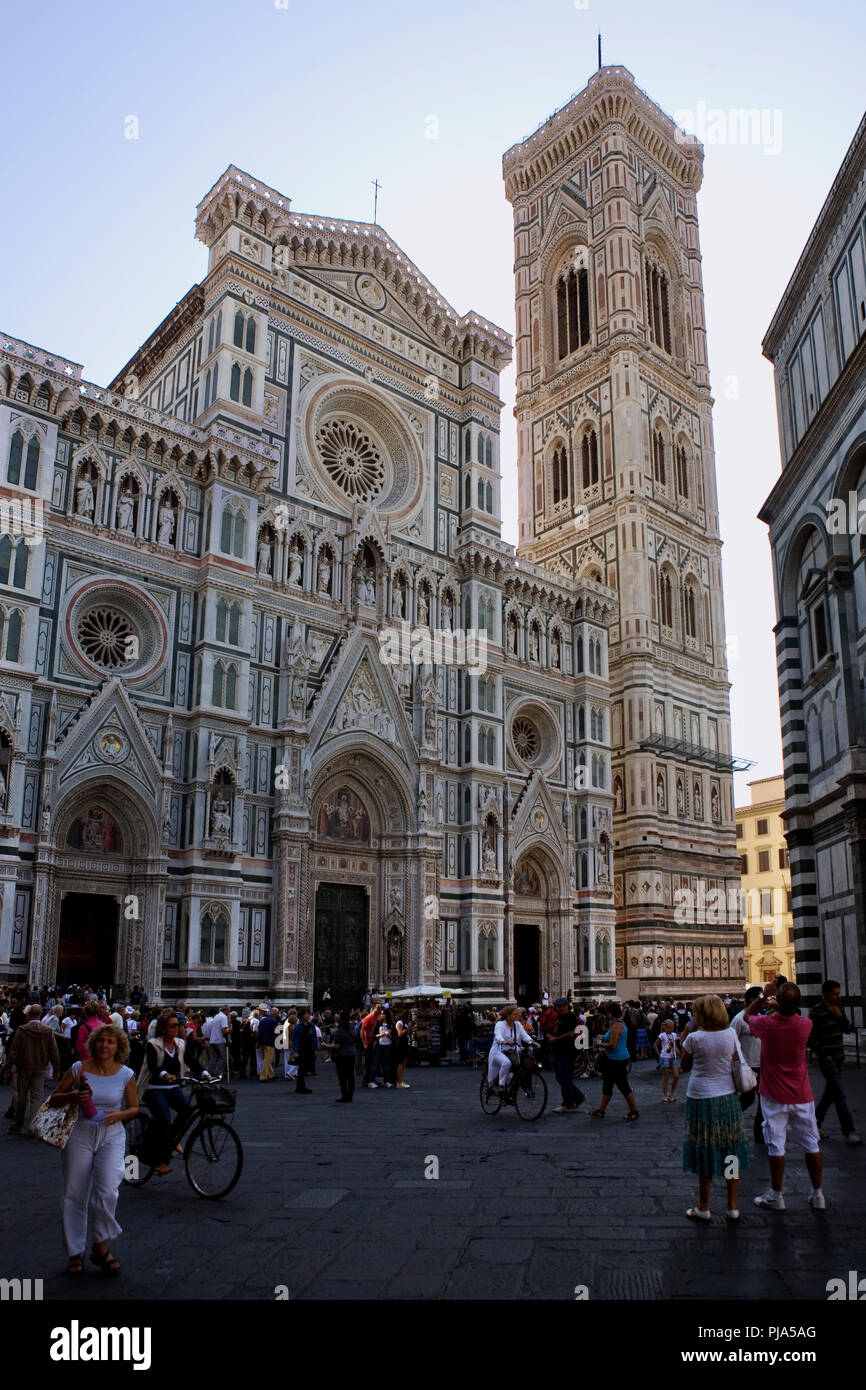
column 215, row 1100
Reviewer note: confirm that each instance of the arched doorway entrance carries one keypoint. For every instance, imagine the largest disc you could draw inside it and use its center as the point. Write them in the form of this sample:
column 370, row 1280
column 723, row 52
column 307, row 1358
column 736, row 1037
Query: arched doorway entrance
column 537, row 960
column 100, row 892
column 366, row 894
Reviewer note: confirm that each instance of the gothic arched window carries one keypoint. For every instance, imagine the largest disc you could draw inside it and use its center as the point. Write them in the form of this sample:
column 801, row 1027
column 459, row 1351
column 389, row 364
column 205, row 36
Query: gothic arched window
column 666, row 606
column 213, row 939
column 233, row 532
column 235, row 382
column 658, row 306
column 251, row 334
column 682, row 471
column 559, row 475
column 13, row 637
column 589, row 456
column 481, row 494
column 572, row 311
column 488, row 453
column 659, row 468
column 16, row 449
column 690, row 612
column 239, row 329
column 488, row 497
column 247, row 394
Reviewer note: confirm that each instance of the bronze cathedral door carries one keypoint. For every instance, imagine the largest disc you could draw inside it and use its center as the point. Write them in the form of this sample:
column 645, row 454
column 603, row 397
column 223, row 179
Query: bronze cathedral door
column 341, row 945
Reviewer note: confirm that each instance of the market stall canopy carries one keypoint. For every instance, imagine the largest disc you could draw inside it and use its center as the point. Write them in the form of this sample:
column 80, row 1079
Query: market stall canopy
column 419, row 992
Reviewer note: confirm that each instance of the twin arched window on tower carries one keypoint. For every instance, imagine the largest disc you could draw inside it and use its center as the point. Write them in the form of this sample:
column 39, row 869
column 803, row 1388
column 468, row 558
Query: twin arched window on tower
column 660, row 467
column 589, row 459
column 559, row 475
column 245, row 332
column 241, row 384
column 572, row 311
column 658, row 309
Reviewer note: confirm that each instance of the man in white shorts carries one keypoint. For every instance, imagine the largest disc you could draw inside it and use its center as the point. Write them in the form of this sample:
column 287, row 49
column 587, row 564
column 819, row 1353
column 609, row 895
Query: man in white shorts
column 786, row 1096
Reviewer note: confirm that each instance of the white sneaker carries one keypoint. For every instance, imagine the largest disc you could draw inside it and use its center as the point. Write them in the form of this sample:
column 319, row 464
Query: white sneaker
column 853, row 1138
column 816, row 1200
column 388, row 1086
column 773, row 1201
column 373, row 1086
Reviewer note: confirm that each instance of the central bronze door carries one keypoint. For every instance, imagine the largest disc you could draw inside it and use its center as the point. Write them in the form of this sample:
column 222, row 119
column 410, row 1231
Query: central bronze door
column 341, row 945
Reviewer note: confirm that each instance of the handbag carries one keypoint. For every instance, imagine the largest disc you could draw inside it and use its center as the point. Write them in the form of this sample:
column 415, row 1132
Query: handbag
column 54, row 1124
column 743, row 1077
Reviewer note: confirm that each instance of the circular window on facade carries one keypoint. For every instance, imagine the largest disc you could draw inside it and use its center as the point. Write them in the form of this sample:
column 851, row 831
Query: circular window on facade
column 113, row 629
column 351, row 459
column 533, row 736
column 361, row 447
column 107, row 637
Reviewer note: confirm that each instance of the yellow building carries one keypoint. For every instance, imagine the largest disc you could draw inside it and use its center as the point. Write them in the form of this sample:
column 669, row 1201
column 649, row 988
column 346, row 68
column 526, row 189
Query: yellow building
column 768, row 923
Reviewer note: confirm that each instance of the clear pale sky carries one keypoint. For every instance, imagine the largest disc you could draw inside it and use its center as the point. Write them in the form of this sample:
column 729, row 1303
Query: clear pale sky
column 316, row 100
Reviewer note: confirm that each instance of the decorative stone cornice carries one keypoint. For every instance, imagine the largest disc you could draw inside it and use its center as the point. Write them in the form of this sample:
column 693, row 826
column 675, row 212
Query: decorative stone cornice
column 611, row 95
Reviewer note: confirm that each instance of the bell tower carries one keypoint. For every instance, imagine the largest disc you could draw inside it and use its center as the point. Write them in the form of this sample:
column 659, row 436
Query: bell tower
column 616, row 483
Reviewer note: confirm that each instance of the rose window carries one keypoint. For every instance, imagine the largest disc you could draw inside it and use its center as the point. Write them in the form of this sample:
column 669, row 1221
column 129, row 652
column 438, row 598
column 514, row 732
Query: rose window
column 526, row 740
column 107, row 637
column 352, row 459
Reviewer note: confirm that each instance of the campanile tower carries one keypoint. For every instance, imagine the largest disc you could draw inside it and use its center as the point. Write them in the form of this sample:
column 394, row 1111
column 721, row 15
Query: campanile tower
column 617, row 483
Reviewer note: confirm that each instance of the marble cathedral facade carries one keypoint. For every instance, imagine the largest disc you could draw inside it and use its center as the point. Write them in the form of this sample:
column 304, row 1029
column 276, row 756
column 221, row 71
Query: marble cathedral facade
column 279, row 709
column 616, row 478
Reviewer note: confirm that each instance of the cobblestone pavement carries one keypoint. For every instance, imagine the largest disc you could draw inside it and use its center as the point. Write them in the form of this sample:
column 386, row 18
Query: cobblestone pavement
column 335, row 1204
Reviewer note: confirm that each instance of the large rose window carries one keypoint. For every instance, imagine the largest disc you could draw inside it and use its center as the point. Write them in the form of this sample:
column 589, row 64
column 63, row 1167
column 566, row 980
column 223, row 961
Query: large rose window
column 108, row 638
column 351, row 459
column 533, row 736
column 526, row 740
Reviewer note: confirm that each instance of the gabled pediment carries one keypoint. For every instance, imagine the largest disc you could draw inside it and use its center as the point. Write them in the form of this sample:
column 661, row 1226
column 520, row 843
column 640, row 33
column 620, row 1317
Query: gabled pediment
column 107, row 738
column 536, row 818
column 361, row 698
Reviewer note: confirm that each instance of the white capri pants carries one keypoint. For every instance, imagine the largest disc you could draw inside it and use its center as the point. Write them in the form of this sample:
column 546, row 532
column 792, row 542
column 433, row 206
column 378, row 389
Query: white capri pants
column 92, row 1173
column 798, row 1120
column 499, row 1062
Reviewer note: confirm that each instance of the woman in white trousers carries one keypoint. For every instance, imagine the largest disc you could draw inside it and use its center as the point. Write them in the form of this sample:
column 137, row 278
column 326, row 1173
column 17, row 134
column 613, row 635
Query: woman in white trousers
column 509, row 1033
column 93, row 1160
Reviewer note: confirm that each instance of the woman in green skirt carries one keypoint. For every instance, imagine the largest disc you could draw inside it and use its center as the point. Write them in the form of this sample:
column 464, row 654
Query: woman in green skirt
column 715, row 1142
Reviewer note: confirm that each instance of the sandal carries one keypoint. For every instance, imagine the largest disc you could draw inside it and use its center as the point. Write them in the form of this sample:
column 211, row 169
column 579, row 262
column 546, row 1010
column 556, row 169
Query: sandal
column 106, row 1261
column 163, row 1169
column 695, row 1214
column 75, row 1265
column 599, row 1114
column 633, row 1115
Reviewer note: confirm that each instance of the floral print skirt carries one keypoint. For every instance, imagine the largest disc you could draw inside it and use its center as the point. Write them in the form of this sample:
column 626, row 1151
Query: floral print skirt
column 714, row 1133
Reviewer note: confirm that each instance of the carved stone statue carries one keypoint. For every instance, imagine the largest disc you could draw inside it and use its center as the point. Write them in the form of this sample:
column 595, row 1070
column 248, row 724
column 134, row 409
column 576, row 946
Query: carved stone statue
column 46, row 819
column 661, row 794
column 126, row 513
column 488, row 857
column 84, row 497
column 533, row 644
column 165, row 533
column 699, row 802
column 398, row 601
column 423, row 608
column 324, row 576
column 264, row 557
column 714, row 804
column 367, row 588
column 447, row 611
column 602, row 868
column 296, row 563
column 220, row 816
column 681, row 801
column 395, row 952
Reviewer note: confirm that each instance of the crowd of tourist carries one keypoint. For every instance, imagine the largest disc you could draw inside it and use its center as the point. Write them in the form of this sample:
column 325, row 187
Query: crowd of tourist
column 736, row 1053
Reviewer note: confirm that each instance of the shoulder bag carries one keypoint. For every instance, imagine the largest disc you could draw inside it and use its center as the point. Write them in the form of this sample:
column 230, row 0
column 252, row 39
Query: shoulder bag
column 743, row 1077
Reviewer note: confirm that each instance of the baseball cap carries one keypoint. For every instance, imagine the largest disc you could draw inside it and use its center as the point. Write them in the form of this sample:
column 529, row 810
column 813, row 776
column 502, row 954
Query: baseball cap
column 558, row 1003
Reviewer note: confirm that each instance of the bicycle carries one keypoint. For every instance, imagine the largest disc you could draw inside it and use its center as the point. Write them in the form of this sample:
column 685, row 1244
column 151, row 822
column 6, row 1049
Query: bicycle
column 212, row 1155
column 526, row 1089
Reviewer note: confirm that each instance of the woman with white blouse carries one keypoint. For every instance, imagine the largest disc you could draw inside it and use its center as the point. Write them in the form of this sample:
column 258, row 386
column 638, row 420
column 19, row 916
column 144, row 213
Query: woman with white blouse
column 715, row 1143
column 508, row 1035
column 93, row 1160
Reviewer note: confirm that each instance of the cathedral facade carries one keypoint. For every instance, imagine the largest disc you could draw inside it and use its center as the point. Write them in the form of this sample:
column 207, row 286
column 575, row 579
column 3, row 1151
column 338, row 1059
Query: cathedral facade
column 279, row 709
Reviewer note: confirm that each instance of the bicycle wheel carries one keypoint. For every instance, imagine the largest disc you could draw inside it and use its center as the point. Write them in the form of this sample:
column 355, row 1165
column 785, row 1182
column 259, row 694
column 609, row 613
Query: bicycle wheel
column 136, row 1168
column 213, row 1158
column 491, row 1100
column 530, row 1095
